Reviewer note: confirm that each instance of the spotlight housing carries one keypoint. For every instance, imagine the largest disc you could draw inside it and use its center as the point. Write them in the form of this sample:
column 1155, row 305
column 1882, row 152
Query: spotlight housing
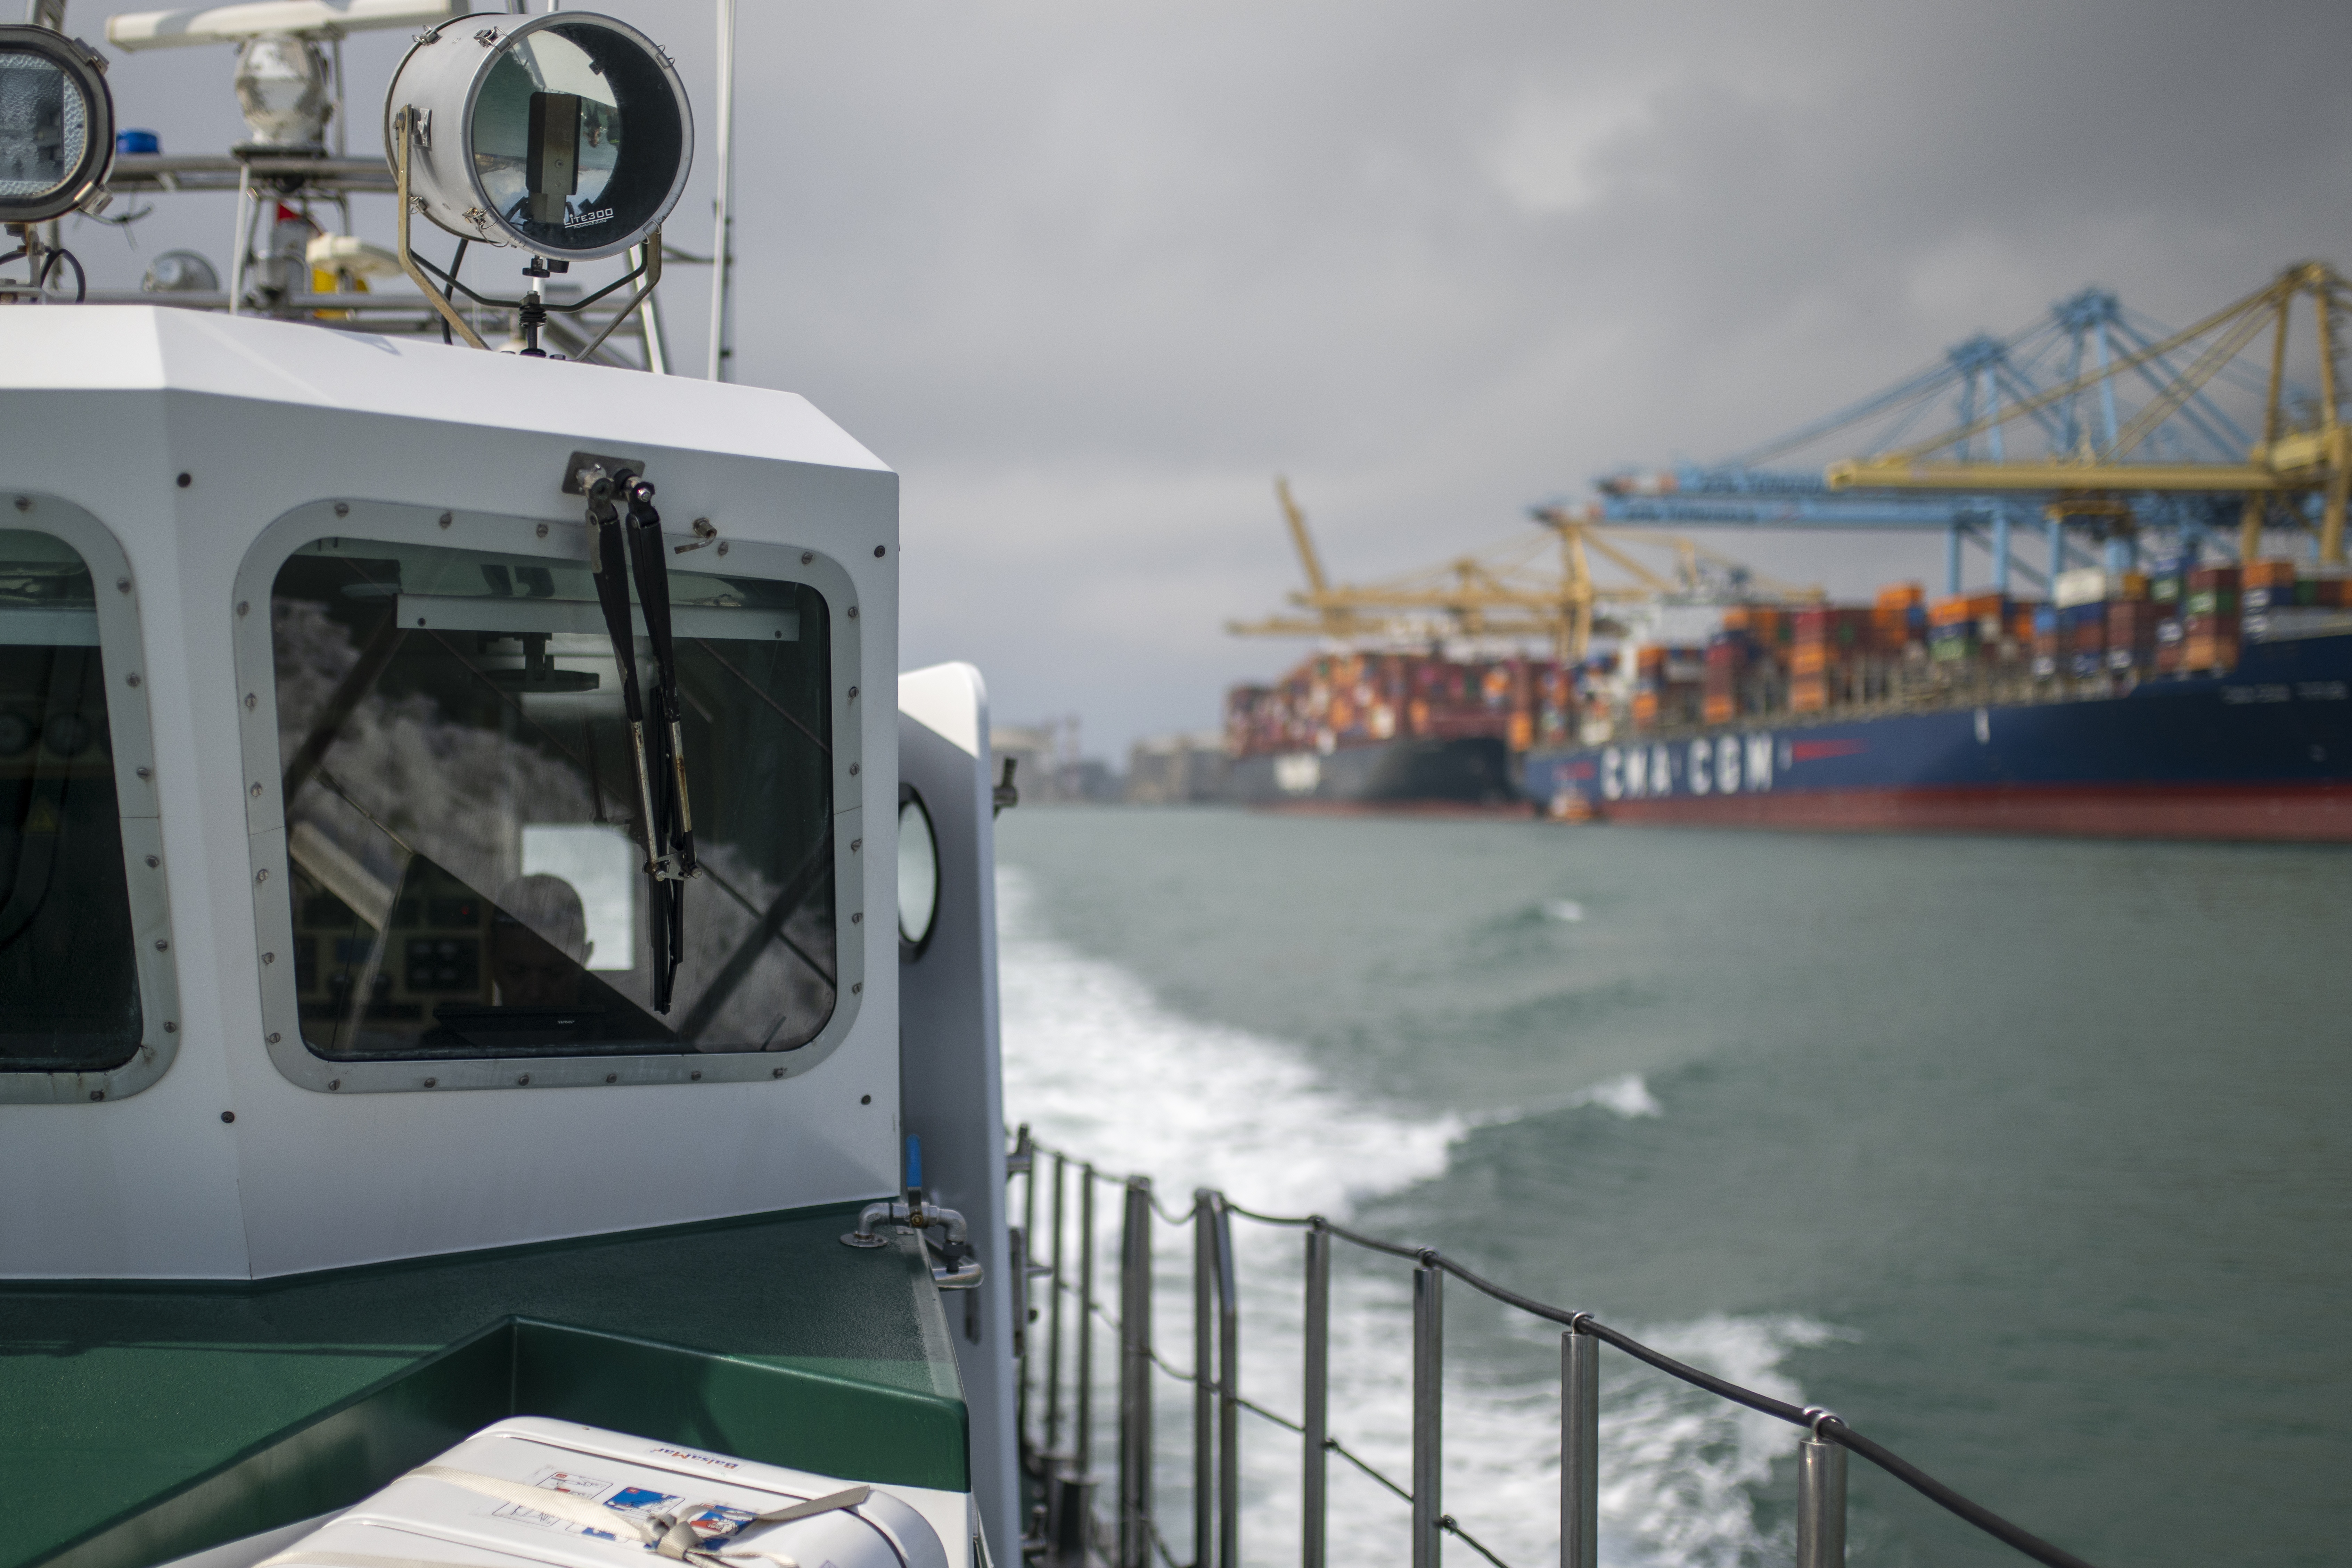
column 567, row 135
column 57, row 124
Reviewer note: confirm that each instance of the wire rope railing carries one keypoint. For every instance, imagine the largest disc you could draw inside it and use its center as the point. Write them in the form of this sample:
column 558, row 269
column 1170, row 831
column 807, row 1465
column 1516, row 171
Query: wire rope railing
column 1067, row 1533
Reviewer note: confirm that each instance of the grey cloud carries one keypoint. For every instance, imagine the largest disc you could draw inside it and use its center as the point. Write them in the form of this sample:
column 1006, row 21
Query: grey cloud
column 1088, row 275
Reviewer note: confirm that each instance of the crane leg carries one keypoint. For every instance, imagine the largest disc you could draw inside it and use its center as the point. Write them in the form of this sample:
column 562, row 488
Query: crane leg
column 2331, row 517
column 2250, row 527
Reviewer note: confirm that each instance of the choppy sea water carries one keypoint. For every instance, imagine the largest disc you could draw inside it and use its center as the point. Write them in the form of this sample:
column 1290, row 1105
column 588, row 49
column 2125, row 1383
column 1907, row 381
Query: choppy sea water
column 2026, row 1157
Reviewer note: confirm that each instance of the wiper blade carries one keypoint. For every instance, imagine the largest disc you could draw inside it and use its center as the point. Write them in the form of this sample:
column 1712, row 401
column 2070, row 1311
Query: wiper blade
column 656, row 740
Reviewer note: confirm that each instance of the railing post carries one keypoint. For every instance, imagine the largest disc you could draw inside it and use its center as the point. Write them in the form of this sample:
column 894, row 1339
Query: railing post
column 1821, row 1504
column 1204, row 1416
column 1317, row 1405
column 1135, row 1377
column 1024, row 1365
column 1229, row 1393
column 1086, row 1410
column 1428, row 1412
column 1054, row 1322
column 1580, row 1450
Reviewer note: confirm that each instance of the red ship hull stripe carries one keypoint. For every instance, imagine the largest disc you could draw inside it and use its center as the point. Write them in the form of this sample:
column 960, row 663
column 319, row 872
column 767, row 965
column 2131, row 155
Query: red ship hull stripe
column 2290, row 813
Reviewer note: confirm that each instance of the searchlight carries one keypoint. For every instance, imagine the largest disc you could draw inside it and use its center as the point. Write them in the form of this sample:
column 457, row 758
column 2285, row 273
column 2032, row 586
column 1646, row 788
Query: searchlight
column 57, row 125
column 567, row 135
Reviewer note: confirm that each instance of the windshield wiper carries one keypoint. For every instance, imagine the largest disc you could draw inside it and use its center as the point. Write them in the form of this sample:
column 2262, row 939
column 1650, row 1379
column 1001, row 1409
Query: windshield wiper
column 622, row 548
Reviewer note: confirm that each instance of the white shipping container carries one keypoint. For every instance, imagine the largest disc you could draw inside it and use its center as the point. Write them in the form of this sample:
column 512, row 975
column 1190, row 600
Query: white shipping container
column 2084, row 585
column 534, row 1490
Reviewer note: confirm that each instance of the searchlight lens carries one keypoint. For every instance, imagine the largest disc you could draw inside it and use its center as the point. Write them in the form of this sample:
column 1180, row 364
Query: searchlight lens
column 569, row 136
column 57, row 125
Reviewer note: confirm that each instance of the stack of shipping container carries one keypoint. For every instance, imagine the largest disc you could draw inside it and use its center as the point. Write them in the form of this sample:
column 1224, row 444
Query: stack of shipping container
column 1823, row 654
column 2210, row 617
column 1669, row 686
column 2178, row 617
column 1366, row 699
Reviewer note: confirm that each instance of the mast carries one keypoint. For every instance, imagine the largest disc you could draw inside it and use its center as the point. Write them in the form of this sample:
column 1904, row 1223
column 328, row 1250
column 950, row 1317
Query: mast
column 721, row 253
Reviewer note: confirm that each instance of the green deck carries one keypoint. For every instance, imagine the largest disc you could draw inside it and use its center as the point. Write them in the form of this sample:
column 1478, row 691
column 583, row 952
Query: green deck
column 140, row 1422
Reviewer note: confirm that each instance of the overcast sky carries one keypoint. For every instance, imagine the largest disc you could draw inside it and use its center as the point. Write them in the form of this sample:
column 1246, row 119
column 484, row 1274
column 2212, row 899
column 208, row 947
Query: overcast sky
column 1088, row 275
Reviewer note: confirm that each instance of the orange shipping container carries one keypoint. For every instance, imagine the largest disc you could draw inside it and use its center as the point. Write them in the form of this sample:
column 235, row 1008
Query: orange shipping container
column 1901, row 596
column 1963, row 608
column 1523, row 731
column 2208, row 653
column 1808, row 694
column 1809, row 658
column 2268, row 574
column 1721, row 706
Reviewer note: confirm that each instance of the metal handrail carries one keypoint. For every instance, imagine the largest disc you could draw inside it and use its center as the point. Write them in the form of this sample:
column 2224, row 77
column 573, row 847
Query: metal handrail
column 1821, row 1492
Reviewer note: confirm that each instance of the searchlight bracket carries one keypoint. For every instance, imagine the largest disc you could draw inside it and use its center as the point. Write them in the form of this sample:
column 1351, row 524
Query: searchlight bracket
column 412, row 127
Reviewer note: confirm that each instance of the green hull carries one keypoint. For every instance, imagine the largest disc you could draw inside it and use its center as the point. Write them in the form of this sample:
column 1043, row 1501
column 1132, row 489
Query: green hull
column 152, row 1420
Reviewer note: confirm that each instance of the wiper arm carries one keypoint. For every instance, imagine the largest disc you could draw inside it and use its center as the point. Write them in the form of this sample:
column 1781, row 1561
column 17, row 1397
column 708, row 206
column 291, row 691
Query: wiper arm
column 652, row 568
column 656, row 748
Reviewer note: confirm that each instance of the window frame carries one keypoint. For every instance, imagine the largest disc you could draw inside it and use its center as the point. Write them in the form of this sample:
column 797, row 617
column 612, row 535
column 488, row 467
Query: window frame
column 122, row 660
column 554, row 538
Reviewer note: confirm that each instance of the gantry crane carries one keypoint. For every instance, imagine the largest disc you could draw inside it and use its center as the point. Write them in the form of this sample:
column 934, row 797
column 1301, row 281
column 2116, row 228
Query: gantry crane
column 2302, row 451
column 1983, row 376
column 1513, row 591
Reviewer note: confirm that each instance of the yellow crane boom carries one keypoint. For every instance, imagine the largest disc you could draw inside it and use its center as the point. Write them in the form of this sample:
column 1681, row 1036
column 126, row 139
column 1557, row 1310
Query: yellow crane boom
column 1505, row 592
column 2289, row 458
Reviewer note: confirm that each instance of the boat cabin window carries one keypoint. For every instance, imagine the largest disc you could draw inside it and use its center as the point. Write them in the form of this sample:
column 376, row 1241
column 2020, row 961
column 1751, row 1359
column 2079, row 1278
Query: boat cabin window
column 465, row 823
column 68, row 965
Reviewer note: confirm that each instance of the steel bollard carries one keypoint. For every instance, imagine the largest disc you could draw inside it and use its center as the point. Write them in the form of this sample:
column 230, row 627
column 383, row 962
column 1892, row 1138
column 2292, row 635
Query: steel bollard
column 1428, row 1413
column 1317, row 1402
column 1580, row 1451
column 1135, row 1377
column 1821, row 1504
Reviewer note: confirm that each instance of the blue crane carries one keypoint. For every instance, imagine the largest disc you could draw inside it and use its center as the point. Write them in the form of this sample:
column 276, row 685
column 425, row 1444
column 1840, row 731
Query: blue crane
column 2081, row 337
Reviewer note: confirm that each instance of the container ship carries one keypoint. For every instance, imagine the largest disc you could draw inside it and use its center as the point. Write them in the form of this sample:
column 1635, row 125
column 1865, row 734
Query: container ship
column 1395, row 729
column 2188, row 701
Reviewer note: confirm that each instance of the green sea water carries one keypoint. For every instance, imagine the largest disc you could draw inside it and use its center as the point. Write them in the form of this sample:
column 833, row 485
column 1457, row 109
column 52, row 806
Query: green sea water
column 2028, row 1158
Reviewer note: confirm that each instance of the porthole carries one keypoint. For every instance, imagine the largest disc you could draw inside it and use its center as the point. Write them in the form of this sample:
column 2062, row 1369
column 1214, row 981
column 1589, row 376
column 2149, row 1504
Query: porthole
column 918, row 875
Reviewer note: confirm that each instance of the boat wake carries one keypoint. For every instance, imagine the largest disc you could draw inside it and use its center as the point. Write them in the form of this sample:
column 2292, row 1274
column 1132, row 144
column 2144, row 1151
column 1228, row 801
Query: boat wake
column 1099, row 1065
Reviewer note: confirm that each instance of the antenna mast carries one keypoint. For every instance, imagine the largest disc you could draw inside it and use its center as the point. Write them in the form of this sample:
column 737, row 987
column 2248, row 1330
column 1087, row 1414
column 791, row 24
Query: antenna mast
column 722, row 257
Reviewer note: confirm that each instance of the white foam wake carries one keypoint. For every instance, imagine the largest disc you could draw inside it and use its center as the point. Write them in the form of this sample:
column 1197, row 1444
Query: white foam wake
column 1099, row 1065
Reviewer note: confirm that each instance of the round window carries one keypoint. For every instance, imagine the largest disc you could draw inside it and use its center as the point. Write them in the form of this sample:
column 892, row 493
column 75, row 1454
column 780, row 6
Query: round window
column 918, row 874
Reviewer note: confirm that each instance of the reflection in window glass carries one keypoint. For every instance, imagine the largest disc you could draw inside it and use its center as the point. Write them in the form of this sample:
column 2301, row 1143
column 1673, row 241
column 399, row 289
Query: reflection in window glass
column 69, row 973
column 599, row 863
column 463, row 819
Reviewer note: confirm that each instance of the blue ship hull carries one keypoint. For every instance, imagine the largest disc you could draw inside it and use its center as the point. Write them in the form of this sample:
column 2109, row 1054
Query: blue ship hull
column 2265, row 752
